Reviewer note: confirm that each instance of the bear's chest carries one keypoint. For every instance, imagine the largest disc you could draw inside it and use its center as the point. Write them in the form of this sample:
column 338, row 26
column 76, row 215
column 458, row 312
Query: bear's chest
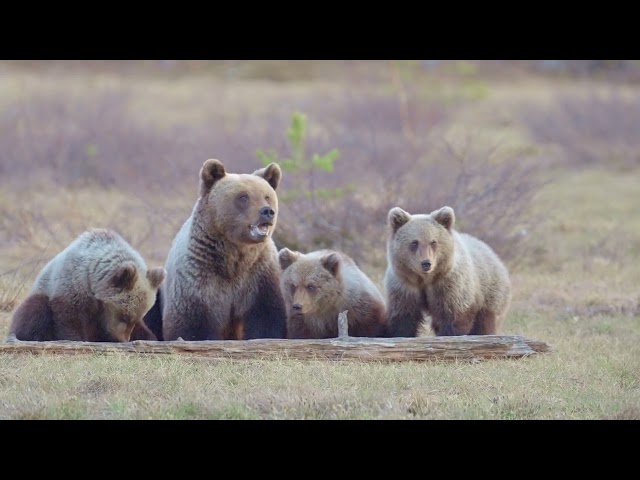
column 230, row 293
column 448, row 296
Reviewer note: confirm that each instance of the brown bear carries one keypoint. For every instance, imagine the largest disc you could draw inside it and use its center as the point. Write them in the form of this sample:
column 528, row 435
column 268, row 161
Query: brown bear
column 317, row 286
column 223, row 275
column 455, row 277
column 98, row 289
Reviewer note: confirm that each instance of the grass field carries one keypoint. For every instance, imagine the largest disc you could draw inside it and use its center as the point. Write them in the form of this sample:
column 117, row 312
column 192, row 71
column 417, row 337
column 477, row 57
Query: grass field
column 545, row 168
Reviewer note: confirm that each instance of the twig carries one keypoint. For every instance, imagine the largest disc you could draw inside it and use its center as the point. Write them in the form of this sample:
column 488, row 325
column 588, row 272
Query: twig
column 343, row 326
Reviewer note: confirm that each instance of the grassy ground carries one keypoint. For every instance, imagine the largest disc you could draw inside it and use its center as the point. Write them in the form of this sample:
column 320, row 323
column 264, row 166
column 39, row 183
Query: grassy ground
column 575, row 287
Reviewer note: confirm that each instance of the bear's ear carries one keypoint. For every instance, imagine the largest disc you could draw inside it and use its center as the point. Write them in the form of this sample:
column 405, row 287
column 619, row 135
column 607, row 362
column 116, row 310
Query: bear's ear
column 287, row 257
column 125, row 276
column 331, row 262
column 212, row 170
column 445, row 217
column 271, row 173
column 397, row 217
column 155, row 276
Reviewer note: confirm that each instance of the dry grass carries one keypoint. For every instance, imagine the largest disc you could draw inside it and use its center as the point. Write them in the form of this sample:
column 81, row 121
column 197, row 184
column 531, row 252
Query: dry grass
column 574, row 272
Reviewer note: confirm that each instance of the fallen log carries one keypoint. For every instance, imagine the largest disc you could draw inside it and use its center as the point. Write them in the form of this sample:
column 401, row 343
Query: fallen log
column 419, row 349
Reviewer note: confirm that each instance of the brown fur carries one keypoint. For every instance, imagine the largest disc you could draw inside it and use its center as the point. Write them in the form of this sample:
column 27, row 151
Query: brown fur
column 222, row 270
column 323, row 284
column 97, row 289
column 454, row 277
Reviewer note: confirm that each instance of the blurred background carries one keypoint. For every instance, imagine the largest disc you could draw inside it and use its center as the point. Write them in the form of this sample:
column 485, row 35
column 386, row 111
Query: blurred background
column 539, row 158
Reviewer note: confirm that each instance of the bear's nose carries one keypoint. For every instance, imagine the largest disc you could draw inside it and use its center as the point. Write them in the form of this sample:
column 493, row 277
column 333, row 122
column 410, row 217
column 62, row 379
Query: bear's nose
column 296, row 306
column 267, row 213
column 426, row 265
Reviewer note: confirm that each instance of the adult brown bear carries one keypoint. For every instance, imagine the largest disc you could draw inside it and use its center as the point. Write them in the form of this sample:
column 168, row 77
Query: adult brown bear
column 223, row 275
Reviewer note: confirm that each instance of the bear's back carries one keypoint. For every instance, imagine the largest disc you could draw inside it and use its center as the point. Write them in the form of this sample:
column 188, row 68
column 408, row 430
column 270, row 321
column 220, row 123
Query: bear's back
column 357, row 281
column 89, row 257
column 491, row 271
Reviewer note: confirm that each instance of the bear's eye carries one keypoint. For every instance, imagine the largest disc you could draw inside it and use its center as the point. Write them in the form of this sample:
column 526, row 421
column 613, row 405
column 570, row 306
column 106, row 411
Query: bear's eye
column 244, row 198
column 292, row 287
column 267, row 198
column 414, row 245
column 433, row 243
column 125, row 319
column 311, row 288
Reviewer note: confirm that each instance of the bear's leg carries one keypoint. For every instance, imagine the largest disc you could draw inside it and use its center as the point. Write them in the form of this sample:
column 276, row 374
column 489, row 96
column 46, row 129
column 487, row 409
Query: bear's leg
column 194, row 322
column 484, row 324
column 444, row 328
column 405, row 313
column 233, row 329
column 370, row 322
column 67, row 331
column 33, row 319
column 74, row 318
column 452, row 325
column 404, row 320
column 267, row 315
column 142, row 332
column 153, row 319
column 297, row 329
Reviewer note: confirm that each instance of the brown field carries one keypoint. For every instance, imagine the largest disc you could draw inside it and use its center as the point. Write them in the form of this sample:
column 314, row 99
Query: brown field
column 543, row 166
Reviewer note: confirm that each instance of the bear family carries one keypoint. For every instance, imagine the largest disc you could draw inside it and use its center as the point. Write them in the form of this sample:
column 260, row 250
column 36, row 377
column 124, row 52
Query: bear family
column 432, row 268
column 318, row 285
column 223, row 273
column 97, row 289
column 225, row 279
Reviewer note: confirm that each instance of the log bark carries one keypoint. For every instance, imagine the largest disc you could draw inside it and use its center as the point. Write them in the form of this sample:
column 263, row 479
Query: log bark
column 419, row 349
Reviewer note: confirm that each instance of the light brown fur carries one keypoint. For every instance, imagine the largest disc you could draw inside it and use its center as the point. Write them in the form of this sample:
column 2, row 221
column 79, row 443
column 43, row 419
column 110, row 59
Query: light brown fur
column 97, row 289
column 323, row 284
column 433, row 269
column 223, row 275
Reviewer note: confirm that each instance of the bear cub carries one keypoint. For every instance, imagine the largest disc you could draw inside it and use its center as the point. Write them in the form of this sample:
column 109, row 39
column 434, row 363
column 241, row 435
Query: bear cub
column 98, row 289
column 317, row 286
column 434, row 269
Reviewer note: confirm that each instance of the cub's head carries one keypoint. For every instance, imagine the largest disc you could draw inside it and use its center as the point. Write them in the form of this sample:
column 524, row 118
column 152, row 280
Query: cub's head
column 420, row 247
column 311, row 283
column 127, row 294
column 242, row 207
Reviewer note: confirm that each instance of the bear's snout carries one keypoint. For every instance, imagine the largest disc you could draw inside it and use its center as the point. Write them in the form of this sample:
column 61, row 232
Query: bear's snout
column 426, row 265
column 267, row 213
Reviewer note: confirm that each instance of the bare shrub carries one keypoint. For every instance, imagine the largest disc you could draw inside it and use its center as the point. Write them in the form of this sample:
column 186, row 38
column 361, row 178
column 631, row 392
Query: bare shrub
column 15, row 281
column 590, row 129
column 390, row 155
column 381, row 166
column 489, row 186
column 87, row 141
column 376, row 151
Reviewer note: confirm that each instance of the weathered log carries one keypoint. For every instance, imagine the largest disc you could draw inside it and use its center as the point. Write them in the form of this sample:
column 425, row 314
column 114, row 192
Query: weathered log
column 420, row 349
